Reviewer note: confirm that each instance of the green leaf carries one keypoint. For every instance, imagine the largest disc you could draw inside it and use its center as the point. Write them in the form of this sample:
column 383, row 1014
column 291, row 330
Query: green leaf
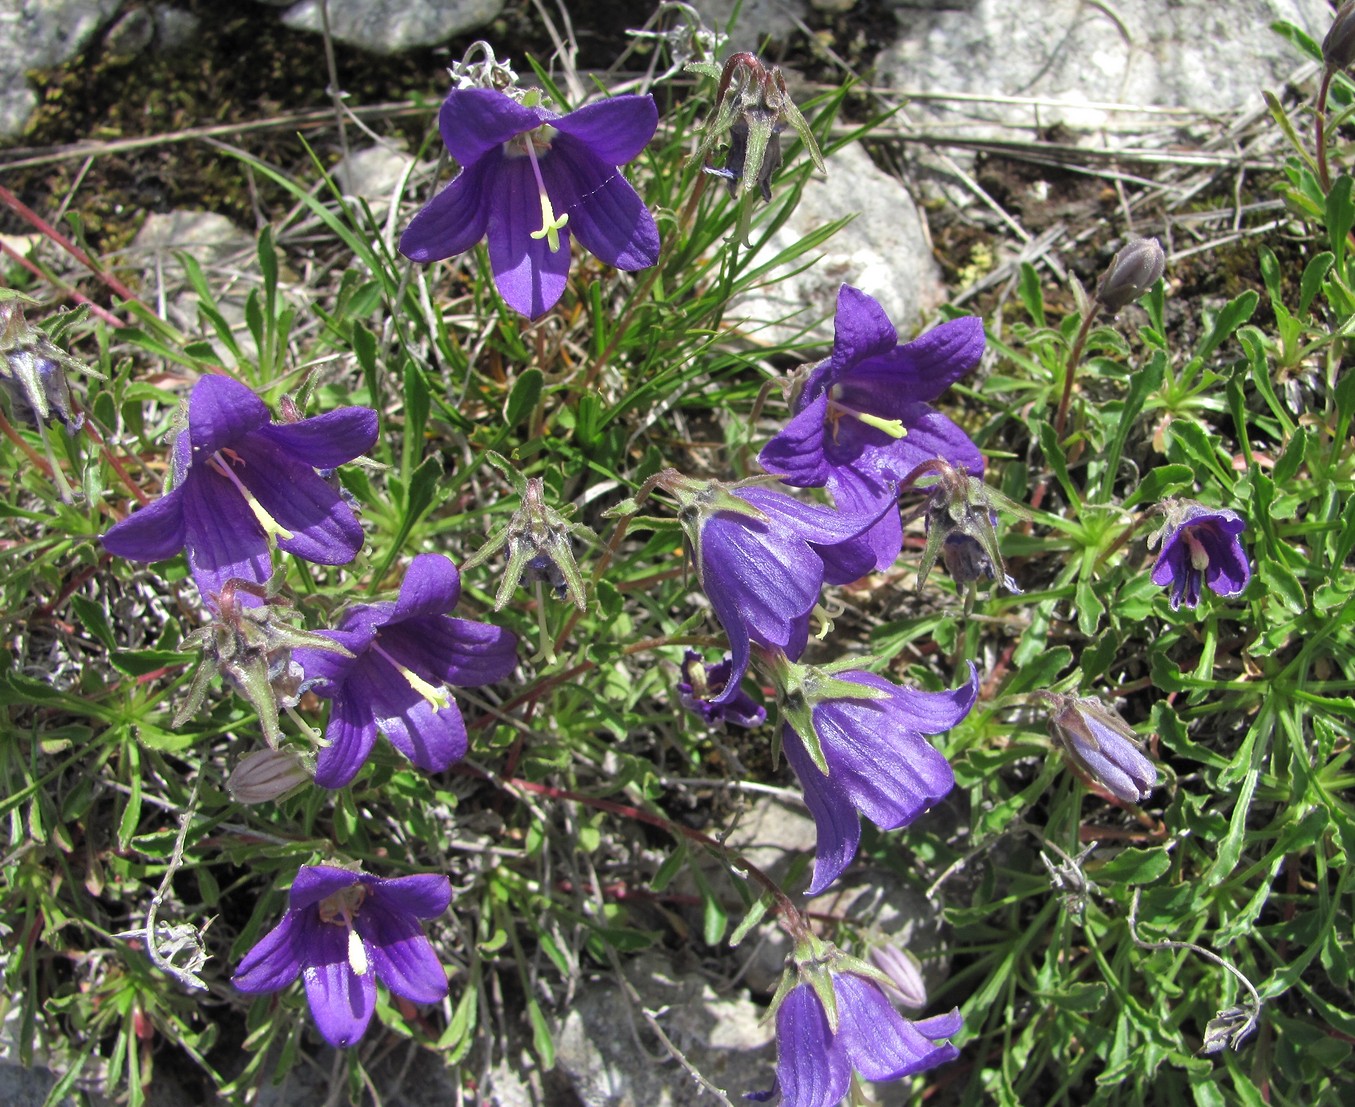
column 1314, row 273
column 542, row 1042
column 1031, row 294
column 1040, row 672
column 1159, row 483
column 1233, row 315
column 1133, row 866
column 1340, row 219
column 522, row 400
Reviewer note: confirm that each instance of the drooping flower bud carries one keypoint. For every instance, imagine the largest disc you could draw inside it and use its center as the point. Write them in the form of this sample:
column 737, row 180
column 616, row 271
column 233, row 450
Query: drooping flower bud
column 250, row 646
column 1101, row 744
column 752, row 109
column 1338, row 48
column 1131, row 273
column 267, row 775
column 904, row 972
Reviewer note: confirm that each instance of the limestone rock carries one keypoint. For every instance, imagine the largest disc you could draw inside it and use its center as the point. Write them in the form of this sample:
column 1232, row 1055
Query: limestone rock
column 1196, row 54
column 389, row 26
column 885, row 251
column 38, row 34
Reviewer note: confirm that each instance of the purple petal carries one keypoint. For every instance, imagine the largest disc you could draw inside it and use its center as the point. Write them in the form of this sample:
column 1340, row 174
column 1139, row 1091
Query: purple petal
column 454, row 651
column 223, row 538
column 927, row 712
column 861, row 329
column 221, row 410
column 810, row 1065
column 856, row 493
column 835, row 819
column 431, row 586
column 605, row 214
column 328, row 666
column 931, row 435
column 432, row 739
column 425, row 895
column 879, row 1042
column 275, row 960
column 816, row 523
column 315, row 882
column 927, row 366
column 351, row 734
column 796, row 454
column 941, row 1026
column 530, row 275
column 152, row 533
column 326, row 441
column 456, row 218
column 615, row 130
column 401, row 954
column 341, row 1001
column 474, row 121
column 324, row 528
column 769, row 576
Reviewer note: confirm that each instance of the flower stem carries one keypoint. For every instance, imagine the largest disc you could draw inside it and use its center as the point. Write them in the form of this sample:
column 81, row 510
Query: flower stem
column 1320, row 114
column 1070, row 371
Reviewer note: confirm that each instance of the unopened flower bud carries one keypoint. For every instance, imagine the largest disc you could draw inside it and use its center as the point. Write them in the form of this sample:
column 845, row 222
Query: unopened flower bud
column 1101, row 744
column 904, row 972
column 1338, row 48
column 33, row 369
column 266, row 775
column 1131, row 273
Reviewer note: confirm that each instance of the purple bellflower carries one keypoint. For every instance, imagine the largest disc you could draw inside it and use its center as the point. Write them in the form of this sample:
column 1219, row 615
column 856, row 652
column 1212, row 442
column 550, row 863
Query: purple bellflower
column 529, row 179
column 762, row 558
column 701, row 683
column 404, row 653
column 833, row 1019
column 342, row 932
column 1200, row 545
column 855, row 741
column 243, row 483
column 863, row 418
column 1102, row 745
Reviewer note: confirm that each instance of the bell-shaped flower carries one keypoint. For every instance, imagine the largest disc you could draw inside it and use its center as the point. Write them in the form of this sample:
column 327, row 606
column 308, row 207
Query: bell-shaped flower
column 344, row 931
column 404, row 653
column 1101, row 744
column 529, row 179
column 702, row 684
column 243, row 483
column 762, row 558
column 863, row 418
column 1200, row 545
column 834, row 1020
column 856, row 742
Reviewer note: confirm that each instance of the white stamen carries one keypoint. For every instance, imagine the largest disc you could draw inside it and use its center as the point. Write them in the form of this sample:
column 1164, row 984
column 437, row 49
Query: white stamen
column 357, row 954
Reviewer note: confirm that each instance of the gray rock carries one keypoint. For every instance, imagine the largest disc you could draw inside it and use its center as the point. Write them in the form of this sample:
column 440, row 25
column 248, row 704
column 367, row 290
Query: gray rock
column 612, row 1059
column 389, row 26
column 215, row 243
column 25, row 1087
column 175, row 28
column 1196, row 54
column 373, row 174
column 38, row 34
column 885, row 251
column 759, row 20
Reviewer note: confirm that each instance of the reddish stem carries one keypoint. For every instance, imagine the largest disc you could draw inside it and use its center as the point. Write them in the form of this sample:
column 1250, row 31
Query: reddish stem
column 40, row 224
